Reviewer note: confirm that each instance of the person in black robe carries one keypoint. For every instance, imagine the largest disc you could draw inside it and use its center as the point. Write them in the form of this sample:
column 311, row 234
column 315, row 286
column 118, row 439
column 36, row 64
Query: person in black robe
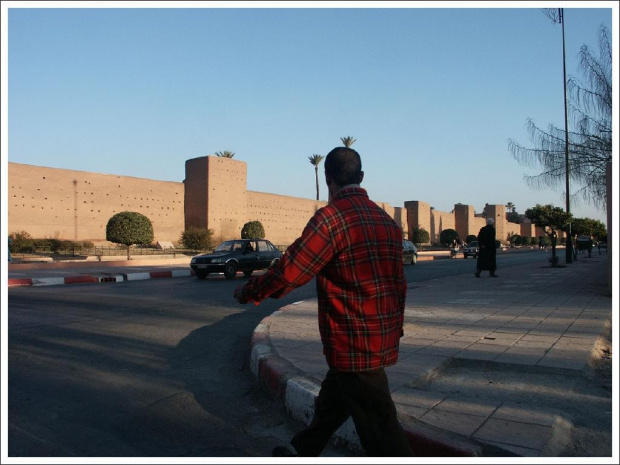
column 487, row 250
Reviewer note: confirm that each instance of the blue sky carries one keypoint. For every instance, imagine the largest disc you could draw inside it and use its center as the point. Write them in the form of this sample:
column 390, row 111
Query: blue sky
column 432, row 95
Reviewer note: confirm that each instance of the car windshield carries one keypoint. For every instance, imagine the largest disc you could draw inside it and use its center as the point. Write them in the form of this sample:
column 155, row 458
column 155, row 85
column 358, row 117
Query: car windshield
column 229, row 246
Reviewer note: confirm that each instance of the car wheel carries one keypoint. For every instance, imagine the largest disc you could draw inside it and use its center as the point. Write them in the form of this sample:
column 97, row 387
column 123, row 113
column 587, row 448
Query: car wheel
column 201, row 274
column 274, row 262
column 230, row 270
column 248, row 273
column 414, row 259
column 464, row 255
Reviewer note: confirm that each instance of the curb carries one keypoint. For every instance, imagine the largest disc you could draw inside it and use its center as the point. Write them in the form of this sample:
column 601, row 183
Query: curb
column 284, row 382
column 90, row 279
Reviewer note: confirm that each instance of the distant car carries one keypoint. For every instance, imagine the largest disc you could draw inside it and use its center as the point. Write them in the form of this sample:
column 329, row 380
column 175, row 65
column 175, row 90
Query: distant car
column 410, row 253
column 471, row 250
column 247, row 255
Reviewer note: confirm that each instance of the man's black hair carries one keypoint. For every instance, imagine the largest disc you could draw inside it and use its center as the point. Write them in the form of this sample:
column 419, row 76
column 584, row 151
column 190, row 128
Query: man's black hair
column 344, row 166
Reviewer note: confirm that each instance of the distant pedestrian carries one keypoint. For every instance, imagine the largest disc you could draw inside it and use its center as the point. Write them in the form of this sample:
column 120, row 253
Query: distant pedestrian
column 487, row 251
column 355, row 251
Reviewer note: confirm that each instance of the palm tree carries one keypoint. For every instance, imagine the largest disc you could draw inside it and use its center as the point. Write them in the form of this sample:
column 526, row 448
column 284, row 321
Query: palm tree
column 348, row 141
column 315, row 160
column 225, row 154
column 510, row 206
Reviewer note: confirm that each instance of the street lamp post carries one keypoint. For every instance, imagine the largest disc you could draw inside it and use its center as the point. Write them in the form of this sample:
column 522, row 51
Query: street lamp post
column 569, row 235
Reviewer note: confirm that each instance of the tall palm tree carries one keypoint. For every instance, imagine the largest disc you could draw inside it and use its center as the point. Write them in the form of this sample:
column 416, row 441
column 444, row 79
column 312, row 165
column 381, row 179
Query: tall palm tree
column 225, row 154
column 348, row 141
column 315, row 160
column 510, row 206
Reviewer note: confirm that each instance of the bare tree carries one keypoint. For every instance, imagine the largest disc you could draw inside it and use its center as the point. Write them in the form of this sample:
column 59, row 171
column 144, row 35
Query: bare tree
column 590, row 142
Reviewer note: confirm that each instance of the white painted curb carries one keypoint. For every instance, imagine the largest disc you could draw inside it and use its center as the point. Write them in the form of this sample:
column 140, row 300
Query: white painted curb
column 138, row 276
column 181, row 273
column 47, row 281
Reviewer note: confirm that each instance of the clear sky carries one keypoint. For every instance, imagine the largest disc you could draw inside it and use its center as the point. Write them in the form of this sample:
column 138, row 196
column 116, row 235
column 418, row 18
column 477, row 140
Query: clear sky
column 431, row 91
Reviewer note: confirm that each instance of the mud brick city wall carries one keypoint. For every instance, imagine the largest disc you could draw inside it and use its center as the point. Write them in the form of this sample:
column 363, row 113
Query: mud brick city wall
column 51, row 202
column 76, row 205
column 283, row 218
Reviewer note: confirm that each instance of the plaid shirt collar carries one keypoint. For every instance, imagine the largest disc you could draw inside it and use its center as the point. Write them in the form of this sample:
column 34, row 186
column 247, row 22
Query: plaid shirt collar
column 349, row 189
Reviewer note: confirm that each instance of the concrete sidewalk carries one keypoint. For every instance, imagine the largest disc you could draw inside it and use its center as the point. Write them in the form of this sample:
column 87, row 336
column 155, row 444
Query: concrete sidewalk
column 486, row 365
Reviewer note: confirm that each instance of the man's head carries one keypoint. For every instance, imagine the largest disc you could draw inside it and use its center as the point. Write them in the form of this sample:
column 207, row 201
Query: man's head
column 490, row 221
column 343, row 166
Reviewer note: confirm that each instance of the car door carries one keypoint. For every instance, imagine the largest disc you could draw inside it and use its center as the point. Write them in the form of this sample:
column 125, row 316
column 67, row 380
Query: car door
column 265, row 254
column 249, row 259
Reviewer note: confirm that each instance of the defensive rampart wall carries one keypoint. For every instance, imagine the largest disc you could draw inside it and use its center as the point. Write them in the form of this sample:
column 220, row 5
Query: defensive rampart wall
column 76, row 205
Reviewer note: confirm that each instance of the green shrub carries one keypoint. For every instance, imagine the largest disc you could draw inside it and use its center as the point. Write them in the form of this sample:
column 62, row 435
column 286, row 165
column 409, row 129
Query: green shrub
column 533, row 241
column 253, row 230
column 22, row 242
column 447, row 236
column 524, row 241
column 195, row 238
column 129, row 228
column 420, row 236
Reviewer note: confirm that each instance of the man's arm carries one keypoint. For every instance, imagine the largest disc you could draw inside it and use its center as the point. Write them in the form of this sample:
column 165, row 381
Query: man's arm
column 299, row 264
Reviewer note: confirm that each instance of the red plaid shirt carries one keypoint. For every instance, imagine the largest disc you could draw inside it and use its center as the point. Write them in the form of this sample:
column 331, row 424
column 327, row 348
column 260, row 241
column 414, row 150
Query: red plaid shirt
column 354, row 249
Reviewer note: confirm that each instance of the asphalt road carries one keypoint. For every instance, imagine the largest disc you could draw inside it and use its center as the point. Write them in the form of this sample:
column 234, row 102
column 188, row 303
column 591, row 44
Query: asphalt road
column 150, row 368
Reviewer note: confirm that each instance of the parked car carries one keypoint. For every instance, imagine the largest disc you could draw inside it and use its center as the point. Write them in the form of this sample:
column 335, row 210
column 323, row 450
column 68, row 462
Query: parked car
column 410, row 253
column 247, row 255
column 471, row 250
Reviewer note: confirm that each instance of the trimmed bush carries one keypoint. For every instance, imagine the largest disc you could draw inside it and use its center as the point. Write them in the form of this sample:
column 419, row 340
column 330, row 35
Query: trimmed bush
column 253, row 230
column 448, row 236
column 524, row 241
column 420, row 236
column 129, row 228
column 195, row 238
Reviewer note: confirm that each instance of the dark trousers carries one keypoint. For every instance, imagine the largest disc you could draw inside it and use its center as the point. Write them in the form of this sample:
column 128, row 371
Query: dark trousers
column 365, row 396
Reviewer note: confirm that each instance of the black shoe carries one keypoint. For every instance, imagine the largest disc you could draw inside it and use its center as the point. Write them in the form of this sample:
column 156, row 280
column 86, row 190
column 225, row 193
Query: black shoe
column 477, row 275
column 282, row 451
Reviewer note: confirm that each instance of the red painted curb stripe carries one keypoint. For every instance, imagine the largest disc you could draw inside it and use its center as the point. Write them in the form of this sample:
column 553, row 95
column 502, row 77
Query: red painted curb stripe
column 273, row 372
column 161, row 274
column 20, row 282
column 80, row 279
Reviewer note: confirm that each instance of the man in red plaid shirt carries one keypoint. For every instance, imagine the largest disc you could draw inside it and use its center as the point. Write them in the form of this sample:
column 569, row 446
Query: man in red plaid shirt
column 354, row 248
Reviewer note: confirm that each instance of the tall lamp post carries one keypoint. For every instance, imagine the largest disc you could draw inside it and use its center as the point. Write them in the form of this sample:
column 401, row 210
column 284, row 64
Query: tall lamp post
column 569, row 234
